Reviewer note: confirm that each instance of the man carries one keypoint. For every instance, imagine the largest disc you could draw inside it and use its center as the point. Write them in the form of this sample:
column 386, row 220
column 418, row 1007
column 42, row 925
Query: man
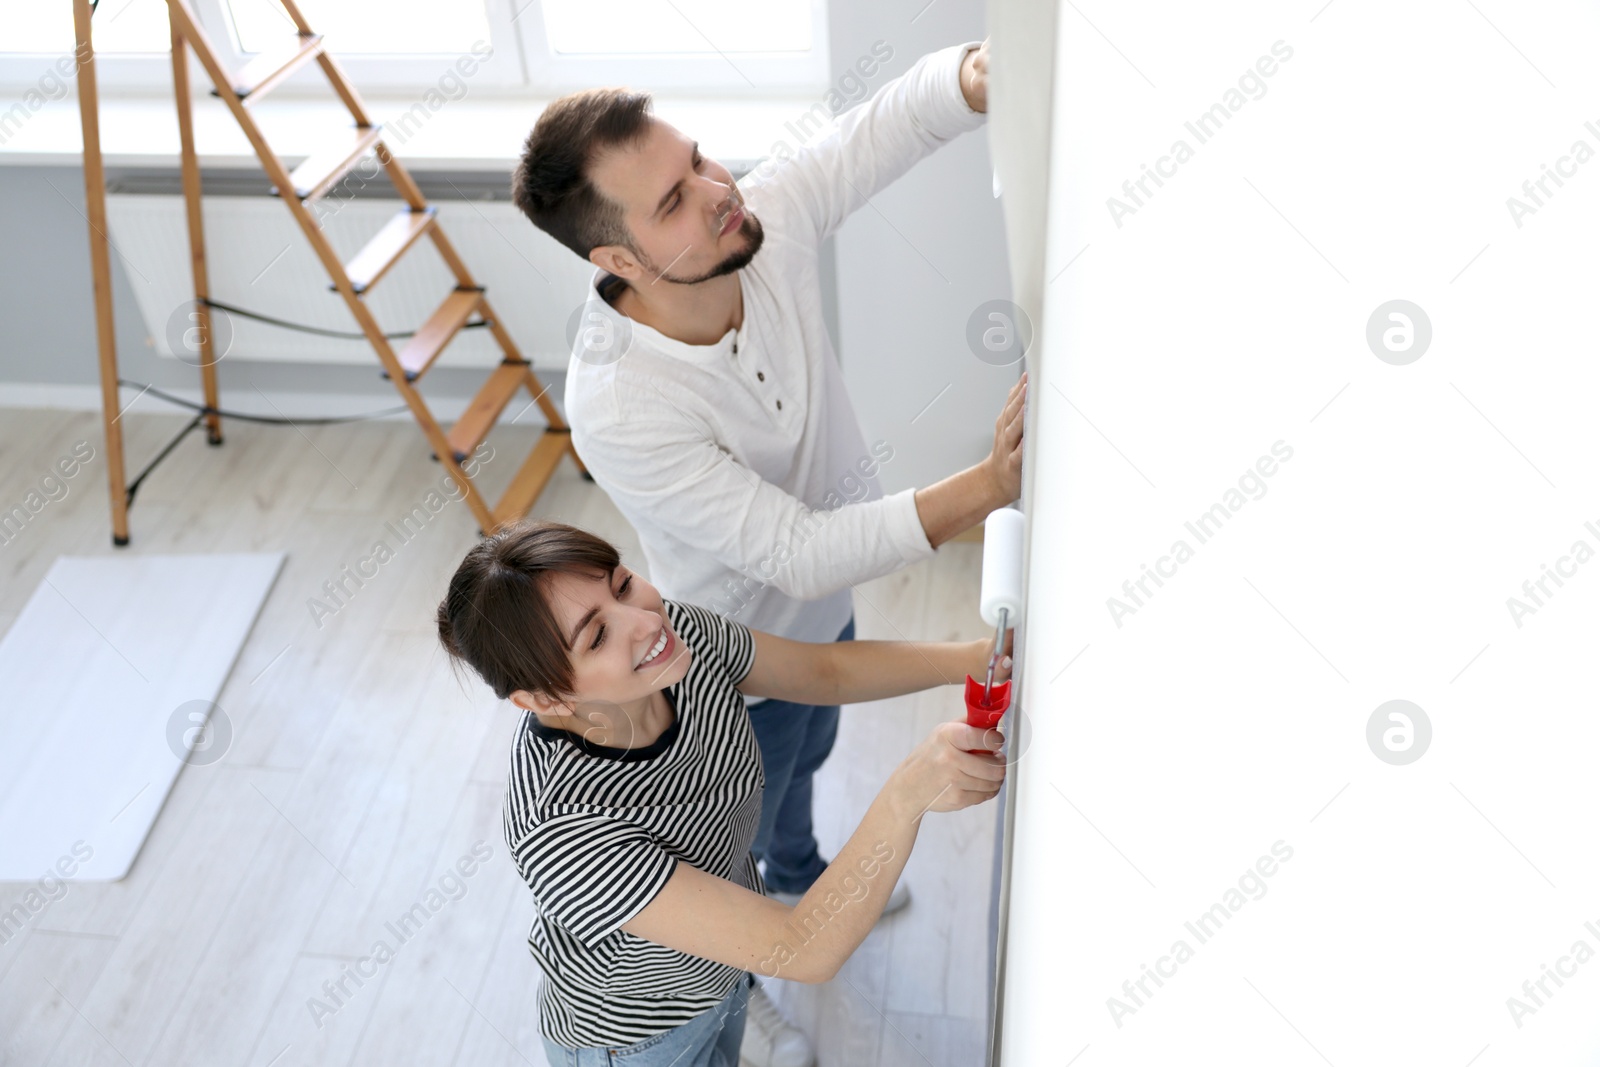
column 706, row 399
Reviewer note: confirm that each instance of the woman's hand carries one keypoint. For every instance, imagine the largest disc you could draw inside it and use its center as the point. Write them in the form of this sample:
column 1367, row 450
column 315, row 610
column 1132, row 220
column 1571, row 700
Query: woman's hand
column 941, row 774
column 979, row 657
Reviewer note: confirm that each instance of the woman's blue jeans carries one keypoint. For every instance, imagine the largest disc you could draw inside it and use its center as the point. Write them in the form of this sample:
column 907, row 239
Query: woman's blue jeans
column 794, row 739
column 710, row 1039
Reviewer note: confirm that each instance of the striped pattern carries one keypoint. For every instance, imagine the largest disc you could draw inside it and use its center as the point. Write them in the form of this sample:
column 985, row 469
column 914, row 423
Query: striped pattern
column 596, row 837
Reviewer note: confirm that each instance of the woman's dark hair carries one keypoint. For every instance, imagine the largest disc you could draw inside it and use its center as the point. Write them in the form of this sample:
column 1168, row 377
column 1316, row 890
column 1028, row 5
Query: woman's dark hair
column 495, row 617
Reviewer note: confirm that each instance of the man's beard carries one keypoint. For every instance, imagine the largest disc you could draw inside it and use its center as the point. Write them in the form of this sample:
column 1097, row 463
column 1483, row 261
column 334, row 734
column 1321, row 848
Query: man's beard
column 750, row 228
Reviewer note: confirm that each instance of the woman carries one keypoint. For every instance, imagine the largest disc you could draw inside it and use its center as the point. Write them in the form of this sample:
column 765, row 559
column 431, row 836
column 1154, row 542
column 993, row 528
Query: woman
column 635, row 790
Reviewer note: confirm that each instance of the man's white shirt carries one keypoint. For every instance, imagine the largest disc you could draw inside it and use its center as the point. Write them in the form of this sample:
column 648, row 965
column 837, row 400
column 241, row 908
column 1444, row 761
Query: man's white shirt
column 741, row 464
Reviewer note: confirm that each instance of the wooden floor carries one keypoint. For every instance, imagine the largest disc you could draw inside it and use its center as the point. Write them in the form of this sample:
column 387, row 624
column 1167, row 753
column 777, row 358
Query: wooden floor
column 360, row 770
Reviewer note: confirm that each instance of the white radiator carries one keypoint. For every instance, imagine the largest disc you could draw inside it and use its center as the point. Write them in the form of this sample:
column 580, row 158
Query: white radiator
column 259, row 260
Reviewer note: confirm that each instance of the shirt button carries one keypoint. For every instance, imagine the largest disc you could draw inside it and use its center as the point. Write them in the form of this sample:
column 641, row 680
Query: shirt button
column 780, row 405
column 760, row 377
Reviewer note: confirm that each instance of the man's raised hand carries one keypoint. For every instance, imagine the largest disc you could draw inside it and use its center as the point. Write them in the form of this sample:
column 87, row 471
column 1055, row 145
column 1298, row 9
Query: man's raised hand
column 975, row 77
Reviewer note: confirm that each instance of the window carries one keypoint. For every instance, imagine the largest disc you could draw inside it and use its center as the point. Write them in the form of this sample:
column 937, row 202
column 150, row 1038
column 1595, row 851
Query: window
column 675, row 44
column 394, row 46
column 132, row 45
column 395, row 27
column 119, row 26
column 538, row 46
column 580, row 27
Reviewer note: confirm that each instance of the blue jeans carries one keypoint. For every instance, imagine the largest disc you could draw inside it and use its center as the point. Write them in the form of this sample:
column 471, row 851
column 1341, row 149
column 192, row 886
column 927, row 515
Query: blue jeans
column 795, row 739
column 710, row 1039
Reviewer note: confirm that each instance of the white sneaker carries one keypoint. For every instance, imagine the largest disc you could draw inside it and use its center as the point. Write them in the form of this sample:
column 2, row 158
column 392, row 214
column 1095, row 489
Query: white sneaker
column 897, row 899
column 769, row 1040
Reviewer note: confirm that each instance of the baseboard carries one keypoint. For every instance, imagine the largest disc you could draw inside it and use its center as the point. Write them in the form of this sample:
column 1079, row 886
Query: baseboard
column 276, row 404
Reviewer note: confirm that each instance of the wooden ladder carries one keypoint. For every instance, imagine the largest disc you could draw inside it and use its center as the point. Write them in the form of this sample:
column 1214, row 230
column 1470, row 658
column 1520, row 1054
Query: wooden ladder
column 300, row 188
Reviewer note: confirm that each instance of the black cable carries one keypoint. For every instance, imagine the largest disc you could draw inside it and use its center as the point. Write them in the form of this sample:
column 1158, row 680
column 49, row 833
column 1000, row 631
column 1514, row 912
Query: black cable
column 203, row 410
column 207, row 410
column 349, row 335
column 133, row 486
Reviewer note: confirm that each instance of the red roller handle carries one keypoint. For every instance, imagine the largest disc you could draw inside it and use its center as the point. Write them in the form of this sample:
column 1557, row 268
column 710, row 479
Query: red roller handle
column 986, row 714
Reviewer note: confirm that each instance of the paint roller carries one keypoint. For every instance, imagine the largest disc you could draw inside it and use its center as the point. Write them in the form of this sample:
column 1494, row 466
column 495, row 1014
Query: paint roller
column 1000, row 604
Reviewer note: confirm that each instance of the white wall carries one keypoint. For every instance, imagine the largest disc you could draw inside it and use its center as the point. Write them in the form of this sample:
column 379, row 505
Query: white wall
column 915, row 264
column 1221, row 743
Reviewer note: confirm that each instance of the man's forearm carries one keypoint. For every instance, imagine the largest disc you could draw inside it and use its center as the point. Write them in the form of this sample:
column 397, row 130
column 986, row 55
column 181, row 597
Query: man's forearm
column 958, row 503
column 875, row 670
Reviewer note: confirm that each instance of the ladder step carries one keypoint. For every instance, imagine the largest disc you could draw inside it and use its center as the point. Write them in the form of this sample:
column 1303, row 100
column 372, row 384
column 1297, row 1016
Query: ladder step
column 484, row 411
column 532, row 477
column 324, row 169
column 420, row 352
column 263, row 73
column 387, row 246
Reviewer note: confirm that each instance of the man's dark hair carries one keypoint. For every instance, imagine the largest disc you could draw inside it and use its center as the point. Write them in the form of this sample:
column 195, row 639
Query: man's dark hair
column 551, row 183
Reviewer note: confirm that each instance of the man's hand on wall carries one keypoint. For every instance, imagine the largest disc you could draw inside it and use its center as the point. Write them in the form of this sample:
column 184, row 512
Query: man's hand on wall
column 975, row 77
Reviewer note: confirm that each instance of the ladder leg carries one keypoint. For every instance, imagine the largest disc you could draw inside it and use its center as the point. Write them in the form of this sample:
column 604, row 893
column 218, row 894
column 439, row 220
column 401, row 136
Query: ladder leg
column 197, row 237
column 412, row 195
column 94, row 187
column 578, row 462
column 547, row 407
column 539, row 392
column 444, row 453
column 447, row 252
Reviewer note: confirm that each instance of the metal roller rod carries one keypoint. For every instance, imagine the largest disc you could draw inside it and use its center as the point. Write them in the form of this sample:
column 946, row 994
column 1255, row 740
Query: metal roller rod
column 994, row 657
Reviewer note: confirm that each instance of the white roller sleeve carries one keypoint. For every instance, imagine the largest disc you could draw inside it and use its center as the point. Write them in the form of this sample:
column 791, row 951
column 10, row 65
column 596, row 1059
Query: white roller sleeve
column 1002, row 567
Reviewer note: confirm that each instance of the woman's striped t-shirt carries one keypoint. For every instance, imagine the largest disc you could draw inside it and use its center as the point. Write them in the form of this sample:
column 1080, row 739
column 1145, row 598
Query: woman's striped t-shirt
column 596, row 833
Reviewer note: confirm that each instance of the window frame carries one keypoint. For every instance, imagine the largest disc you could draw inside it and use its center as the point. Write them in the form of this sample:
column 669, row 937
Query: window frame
column 522, row 63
